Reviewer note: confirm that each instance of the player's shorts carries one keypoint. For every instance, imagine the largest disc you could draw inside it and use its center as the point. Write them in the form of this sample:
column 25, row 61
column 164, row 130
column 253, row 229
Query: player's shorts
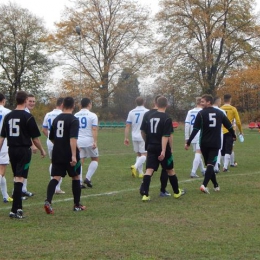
column 195, row 146
column 210, row 155
column 61, row 169
column 139, row 146
column 4, row 158
column 227, row 144
column 88, row 152
column 152, row 162
column 20, row 158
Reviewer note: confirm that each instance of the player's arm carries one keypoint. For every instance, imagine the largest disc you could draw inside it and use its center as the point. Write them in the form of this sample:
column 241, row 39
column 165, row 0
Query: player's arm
column 94, row 134
column 228, row 126
column 127, row 130
column 165, row 140
column 37, row 143
column 238, row 122
column 73, row 147
column 187, row 127
column 196, row 128
column 45, row 131
column 1, row 142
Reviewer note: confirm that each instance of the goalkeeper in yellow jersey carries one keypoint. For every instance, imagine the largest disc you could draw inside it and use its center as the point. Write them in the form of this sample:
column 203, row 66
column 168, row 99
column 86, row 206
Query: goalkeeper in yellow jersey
column 232, row 115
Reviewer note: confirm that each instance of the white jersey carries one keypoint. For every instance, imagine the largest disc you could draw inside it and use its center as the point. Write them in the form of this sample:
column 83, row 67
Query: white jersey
column 87, row 120
column 135, row 118
column 27, row 110
column 47, row 122
column 3, row 112
column 189, row 122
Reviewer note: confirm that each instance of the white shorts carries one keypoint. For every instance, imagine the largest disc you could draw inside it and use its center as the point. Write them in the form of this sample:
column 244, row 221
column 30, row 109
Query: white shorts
column 88, row 152
column 139, row 146
column 196, row 146
column 4, row 158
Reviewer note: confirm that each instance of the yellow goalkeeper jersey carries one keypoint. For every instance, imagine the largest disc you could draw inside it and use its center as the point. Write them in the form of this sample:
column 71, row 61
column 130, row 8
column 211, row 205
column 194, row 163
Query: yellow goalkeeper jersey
column 232, row 114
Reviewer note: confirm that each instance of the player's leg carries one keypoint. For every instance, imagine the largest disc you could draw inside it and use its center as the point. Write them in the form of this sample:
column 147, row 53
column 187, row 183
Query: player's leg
column 164, row 180
column 93, row 154
column 141, row 159
column 228, row 151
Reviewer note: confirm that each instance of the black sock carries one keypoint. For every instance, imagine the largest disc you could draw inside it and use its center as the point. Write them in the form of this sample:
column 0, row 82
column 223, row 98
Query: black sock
column 164, row 179
column 214, row 178
column 174, row 182
column 208, row 174
column 76, row 190
column 146, row 184
column 17, row 197
column 51, row 189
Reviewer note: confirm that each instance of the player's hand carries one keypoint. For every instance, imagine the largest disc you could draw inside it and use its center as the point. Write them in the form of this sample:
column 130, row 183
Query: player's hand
column 34, row 149
column 94, row 146
column 126, row 142
column 73, row 161
column 43, row 153
column 161, row 156
column 186, row 147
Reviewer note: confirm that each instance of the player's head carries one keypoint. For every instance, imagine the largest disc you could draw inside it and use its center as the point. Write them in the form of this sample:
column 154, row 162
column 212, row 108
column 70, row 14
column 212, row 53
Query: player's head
column 217, row 101
column 162, row 102
column 30, row 101
column 21, row 97
column 227, row 98
column 68, row 103
column 206, row 100
column 59, row 102
column 139, row 101
column 2, row 97
column 156, row 98
column 198, row 99
column 85, row 102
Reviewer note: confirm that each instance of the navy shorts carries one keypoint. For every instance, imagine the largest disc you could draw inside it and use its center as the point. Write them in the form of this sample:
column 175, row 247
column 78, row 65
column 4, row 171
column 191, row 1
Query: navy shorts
column 20, row 158
column 227, row 144
column 61, row 169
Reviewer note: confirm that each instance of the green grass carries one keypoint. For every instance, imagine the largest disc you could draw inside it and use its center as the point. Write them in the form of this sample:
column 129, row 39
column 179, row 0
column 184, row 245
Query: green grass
column 118, row 225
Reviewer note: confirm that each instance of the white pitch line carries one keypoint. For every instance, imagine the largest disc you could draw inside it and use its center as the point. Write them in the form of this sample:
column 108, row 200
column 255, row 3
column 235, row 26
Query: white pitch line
column 123, row 191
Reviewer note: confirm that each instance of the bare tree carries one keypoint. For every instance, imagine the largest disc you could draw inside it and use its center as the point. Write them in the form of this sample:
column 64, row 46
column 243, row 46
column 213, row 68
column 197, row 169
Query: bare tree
column 23, row 53
column 112, row 35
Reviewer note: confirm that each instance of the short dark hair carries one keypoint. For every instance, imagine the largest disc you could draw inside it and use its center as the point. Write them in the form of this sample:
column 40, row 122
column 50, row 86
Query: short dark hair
column 85, row 102
column 156, row 98
column 59, row 101
column 227, row 97
column 21, row 97
column 198, row 99
column 139, row 101
column 208, row 98
column 30, row 95
column 68, row 102
column 162, row 102
column 2, row 97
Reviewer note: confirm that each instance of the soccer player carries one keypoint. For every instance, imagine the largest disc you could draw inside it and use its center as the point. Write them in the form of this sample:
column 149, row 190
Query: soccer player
column 46, row 126
column 87, row 140
column 30, row 104
column 157, row 136
column 65, row 155
column 164, row 174
column 232, row 114
column 4, row 158
column 189, row 122
column 20, row 130
column 134, row 120
column 209, row 122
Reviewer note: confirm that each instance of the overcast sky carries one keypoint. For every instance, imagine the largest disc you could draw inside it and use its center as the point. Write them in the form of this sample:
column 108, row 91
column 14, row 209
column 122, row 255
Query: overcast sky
column 50, row 10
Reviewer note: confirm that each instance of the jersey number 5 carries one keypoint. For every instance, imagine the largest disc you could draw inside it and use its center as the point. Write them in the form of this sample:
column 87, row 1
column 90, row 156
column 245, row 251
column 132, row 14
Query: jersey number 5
column 212, row 120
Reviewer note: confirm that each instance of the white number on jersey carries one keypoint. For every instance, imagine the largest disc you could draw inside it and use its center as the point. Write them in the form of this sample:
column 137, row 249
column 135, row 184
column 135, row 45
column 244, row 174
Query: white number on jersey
column 212, row 120
column 14, row 129
column 60, row 128
column 154, row 124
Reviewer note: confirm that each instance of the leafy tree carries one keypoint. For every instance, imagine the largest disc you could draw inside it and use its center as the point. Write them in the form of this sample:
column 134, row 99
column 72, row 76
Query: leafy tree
column 201, row 41
column 112, row 35
column 125, row 92
column 24, row 64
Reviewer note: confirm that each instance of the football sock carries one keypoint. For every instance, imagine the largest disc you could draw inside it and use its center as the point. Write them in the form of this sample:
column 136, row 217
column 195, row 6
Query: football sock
column 17, row 197
column 91, row 169
column 140, row 170
column 50, row 167
column 140, row 160
column 164, row 179
column 201, row 165
column 76, row 190
column 174, row 182
column 232, row 158
column 226, row 161
column 24, row 189
column 196, row 162
column 146, row 184
column 80, row 176
column 58, row 185
column 213, row 177
column 208, row 174
column 51, row 189
column 3, row 186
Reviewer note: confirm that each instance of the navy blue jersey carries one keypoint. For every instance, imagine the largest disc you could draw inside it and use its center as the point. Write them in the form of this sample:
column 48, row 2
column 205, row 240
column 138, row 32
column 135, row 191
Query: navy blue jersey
column 64, row 127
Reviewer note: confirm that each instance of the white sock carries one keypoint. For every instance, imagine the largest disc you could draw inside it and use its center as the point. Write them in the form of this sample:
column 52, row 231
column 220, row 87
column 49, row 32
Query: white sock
column 140, row 169
column 50, row 169
column 226, row 161
column 201, row 165
column 219, row 157
column 232, row 158
column 24, row 185
column 80, row 176
column 196, row 163
column 58, row 185
column 140, row 161
column 91, row 169
column 4, row 187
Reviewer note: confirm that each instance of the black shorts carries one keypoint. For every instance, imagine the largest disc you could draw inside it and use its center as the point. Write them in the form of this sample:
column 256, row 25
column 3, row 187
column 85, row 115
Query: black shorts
column 210, row 155
column 152, row 161
column 227, row 144
column 61, row 169
column 20, row 158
